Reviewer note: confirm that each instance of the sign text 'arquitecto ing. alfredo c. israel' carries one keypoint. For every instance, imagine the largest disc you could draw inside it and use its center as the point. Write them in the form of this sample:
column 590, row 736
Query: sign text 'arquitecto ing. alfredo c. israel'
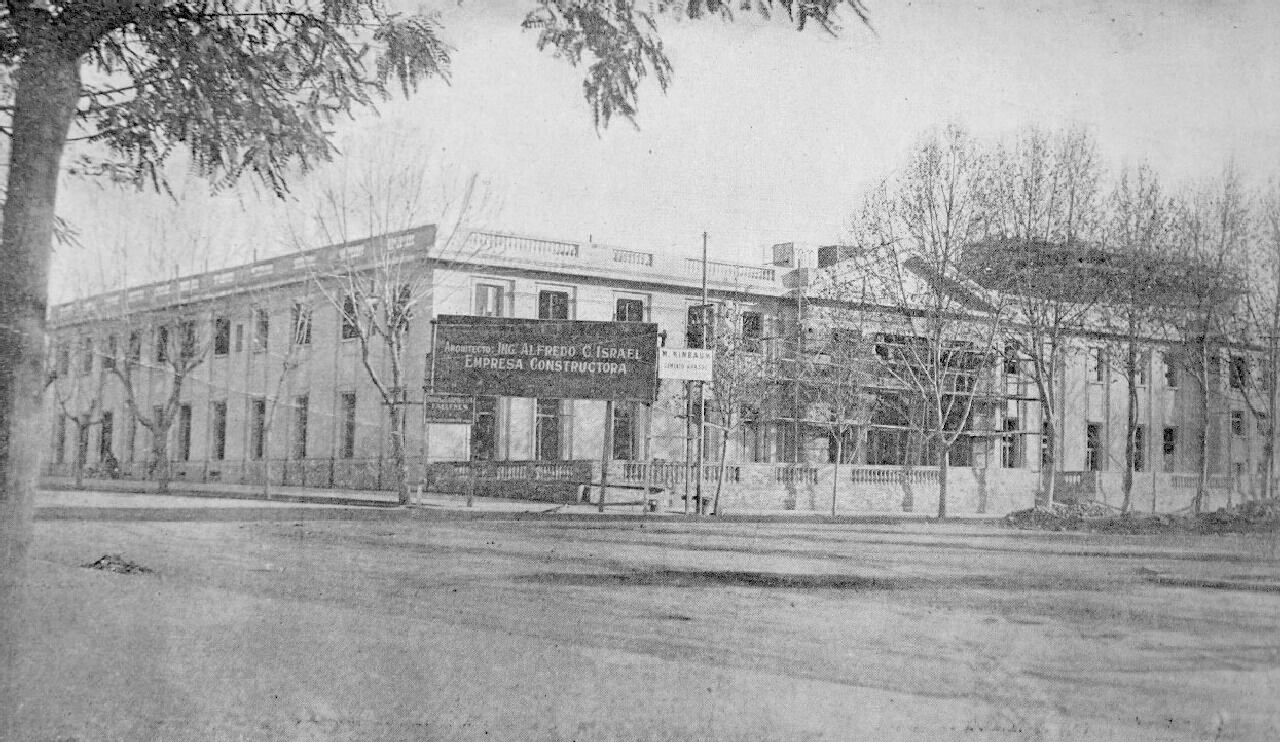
column 552, row 359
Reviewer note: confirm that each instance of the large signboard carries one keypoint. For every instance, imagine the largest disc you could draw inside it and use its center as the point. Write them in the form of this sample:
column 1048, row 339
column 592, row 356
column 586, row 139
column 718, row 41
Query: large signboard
column 550, row 359
column 448, row 408
column 689, row 364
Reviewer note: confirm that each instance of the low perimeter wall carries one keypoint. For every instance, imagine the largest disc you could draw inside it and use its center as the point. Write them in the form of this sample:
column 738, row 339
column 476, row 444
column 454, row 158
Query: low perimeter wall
column 857, row 489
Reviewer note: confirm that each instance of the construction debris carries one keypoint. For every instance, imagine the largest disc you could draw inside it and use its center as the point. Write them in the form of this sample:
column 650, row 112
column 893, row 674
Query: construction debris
column 118, row 564
column 1251, row 515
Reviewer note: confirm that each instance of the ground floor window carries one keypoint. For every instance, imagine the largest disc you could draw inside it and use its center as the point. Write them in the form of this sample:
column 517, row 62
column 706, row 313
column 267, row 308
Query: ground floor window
column 184, row 433
column 484, row 431
column 218, row 434
column 1010, row 448
column 1093, row 447
column 300, row 405
column 257, row 428
column 626, row 440
column 347, row 412
column 548, row 436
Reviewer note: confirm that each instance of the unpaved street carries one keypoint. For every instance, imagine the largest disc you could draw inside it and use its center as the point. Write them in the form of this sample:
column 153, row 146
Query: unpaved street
column 437, row 628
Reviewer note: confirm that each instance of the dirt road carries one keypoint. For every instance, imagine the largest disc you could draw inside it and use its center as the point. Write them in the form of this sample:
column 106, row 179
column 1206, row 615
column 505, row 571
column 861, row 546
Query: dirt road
column 532, row 629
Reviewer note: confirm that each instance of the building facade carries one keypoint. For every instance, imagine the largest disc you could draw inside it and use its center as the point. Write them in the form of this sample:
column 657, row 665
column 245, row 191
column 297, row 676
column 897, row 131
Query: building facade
column 274, row 385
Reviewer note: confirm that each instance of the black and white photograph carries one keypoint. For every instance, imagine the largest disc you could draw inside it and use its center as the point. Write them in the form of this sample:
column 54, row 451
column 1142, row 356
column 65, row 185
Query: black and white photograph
column 639, row 370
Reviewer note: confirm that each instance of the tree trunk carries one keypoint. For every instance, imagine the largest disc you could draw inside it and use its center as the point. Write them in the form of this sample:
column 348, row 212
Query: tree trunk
column 835, row 472
column 47, row 87
column 82, row 452
column 1049, row 466
column 942, row 474
column 724, row 455
column 1131, row 421
column 161, row 469
column 396, row 411
column 1202, row 481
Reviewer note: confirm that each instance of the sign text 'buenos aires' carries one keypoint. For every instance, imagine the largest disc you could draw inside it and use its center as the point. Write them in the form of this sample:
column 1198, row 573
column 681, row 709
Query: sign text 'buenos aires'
column 562, row 359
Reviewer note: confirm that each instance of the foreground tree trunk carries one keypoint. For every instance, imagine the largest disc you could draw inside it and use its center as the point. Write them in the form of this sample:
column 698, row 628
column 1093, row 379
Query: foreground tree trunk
column 1131, row 419
column 47, row 87
column 397, row 413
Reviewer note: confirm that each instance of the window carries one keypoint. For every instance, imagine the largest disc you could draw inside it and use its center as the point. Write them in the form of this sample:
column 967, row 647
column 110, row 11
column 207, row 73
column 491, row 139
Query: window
column 130, row 437
column 752, row 331
column 219, row 432
column 1097, row 365
column 402, row 312
column 300, row 405
column 1010, row 362
column 1263, row 424
column 625, row 440
column 845, row 446
column 135, row 347
column 1140, row 448
column 1171, row 371
column 221, row 336
column 1045, row 441
column 1093, row 447
column 1239, row 373
column 184, row 433
column 187, row 338
column 347, row 445
column 553, row 305
column 1143, row 361
column 546, row 431
column 62, row 364
column 239, row 338
column 629, row 310
column 484, row 431
column 1237, row 423
column 1010, row 453
column 109, row 355
column 489, row 300
column 697, row 329
column 350, row 320
column 106, row 436
column 157, row 414
column 301, row 324
column 86, row 355
column 257, row 428
column 60, row 441
column 82, row 443
column 1170, row 449
column 162, row 344
column 1214, row 371
column 261, row 329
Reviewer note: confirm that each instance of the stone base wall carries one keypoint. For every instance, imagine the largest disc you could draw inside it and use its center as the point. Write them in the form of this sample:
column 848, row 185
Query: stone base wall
column 858, row 489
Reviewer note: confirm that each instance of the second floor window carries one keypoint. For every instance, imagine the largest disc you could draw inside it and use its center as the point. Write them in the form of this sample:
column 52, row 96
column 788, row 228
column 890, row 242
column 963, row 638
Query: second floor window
column 1239, row 377
column 350, row 322
column 697, row 328
column 1097, row 365
column 221, row 336
column 629, row 310
column 86, row 355
column 553, row 305
column 752, row 331
column 261, row 329
column 489, row 300
column 301, row 324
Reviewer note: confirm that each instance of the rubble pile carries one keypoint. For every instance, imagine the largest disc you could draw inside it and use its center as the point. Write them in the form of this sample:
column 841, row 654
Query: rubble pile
column 1058, row 516
column 1251, row 515
column 118, row 564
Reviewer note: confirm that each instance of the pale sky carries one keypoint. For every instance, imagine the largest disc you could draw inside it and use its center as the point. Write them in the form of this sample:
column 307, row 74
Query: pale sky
column 769, row 135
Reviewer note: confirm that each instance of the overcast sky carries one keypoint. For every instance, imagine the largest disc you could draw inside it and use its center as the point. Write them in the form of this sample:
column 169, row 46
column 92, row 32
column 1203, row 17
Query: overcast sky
column 770, row 135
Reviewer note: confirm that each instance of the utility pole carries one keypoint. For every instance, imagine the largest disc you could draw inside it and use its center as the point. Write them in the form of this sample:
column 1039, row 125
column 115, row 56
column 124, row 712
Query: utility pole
column 702, row 385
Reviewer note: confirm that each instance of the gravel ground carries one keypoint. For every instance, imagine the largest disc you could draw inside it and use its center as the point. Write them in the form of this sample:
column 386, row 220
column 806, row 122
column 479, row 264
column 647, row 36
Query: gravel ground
column 531, row 629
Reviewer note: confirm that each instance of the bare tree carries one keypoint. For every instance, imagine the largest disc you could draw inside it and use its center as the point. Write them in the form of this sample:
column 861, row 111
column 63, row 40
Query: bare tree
column 1140, row 277
column 164, row 347
column 1211, row 250
column 380, row 275
column 1256, row 325
column 77, row 389
column 909, row 239
column 1039, row 254
column 741, row 383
